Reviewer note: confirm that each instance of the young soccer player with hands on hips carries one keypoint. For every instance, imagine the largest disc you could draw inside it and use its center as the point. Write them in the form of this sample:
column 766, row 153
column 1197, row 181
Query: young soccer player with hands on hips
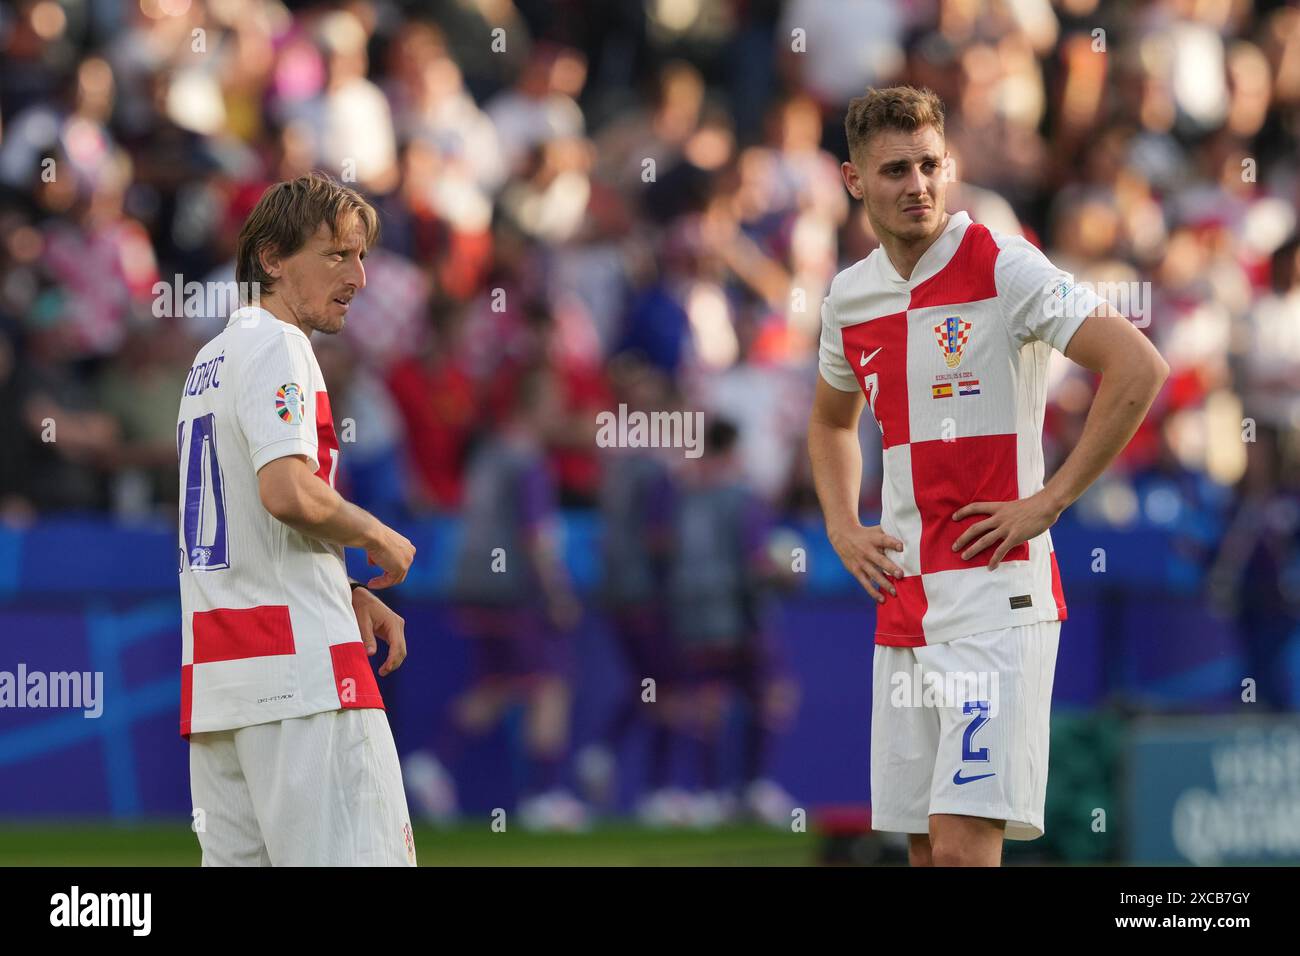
column 944, row 334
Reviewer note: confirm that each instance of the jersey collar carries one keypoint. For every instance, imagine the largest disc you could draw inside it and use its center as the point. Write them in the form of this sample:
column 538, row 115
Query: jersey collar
column 254, row 314
column 934, row 258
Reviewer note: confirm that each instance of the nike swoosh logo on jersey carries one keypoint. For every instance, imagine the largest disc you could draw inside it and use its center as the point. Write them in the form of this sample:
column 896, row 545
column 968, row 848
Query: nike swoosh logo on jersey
column 867, row 358
column 958, row 779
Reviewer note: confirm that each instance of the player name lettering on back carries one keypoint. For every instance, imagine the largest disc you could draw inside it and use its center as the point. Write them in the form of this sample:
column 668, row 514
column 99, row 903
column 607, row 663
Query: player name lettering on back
column 204, row 376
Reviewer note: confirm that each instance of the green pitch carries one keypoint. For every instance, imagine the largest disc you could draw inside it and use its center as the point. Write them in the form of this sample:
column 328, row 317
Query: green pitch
column 172, row 844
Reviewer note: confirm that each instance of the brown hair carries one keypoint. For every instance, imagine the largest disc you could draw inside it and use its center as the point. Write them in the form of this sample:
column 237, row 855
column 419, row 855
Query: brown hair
column 903, row 108
column 288, row 214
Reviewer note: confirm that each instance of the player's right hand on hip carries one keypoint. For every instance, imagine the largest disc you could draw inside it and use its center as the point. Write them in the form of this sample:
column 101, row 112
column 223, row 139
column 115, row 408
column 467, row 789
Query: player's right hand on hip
column 394, row 553
column 863, row 550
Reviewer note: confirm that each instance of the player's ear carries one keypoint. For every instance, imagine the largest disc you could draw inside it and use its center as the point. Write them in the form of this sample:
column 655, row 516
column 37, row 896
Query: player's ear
column 851, row 180
column 270, row 259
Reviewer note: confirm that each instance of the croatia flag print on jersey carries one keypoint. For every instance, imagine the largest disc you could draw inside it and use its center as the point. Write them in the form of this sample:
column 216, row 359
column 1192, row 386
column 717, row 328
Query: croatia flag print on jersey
column 960, row 422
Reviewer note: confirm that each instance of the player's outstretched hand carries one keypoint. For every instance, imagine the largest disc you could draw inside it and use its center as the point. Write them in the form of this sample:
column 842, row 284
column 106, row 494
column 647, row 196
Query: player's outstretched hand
column 862, row 550
column 1010, row 522
column 376, row 619
column 392, row 552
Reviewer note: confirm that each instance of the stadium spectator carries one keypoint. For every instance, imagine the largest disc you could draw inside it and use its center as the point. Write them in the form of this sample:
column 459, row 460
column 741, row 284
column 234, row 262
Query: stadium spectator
column 717, row 578
column 516, row 608
column 636, row 501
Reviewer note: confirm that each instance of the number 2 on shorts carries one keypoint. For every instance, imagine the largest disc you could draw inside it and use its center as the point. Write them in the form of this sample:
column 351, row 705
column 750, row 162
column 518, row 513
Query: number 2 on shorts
column 980, row 709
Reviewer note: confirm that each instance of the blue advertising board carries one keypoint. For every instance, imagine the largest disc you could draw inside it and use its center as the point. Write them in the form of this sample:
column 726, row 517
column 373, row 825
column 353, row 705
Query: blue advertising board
column 1214, row 792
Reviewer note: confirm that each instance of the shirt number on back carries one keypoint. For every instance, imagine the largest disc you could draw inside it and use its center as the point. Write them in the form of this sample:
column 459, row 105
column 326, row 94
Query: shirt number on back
column 203, row 506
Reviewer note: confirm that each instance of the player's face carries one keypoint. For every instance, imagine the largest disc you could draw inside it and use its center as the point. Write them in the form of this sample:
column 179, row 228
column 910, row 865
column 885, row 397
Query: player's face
column 318, row 281
column 902, row 180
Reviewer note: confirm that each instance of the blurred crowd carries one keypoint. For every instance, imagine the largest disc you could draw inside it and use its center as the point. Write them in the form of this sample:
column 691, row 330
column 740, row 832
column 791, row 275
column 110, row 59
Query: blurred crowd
column 564, row 184
column 580, row 197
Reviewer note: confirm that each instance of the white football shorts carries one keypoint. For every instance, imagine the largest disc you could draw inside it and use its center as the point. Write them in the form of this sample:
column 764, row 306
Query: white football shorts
column 963, row 727
column 323, row 790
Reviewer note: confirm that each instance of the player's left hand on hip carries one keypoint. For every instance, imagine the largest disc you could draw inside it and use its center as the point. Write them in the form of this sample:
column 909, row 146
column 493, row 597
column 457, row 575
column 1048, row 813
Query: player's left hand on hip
column 1008, row 524
column 378, row 622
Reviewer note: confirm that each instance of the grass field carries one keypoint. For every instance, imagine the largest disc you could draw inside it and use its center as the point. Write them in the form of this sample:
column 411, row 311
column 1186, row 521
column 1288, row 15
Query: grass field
column 171, row 844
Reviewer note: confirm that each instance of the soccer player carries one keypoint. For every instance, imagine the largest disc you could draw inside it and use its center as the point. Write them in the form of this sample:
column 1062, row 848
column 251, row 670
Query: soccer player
column 944, row 332
column 292, row 760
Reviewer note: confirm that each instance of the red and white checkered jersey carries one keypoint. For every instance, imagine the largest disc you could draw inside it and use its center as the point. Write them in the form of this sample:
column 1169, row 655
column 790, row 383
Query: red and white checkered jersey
column 953, row 362
column 268, row 631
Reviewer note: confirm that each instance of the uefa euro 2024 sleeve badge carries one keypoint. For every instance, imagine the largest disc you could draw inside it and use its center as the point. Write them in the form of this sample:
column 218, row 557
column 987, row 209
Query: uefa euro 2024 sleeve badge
column 289, row 403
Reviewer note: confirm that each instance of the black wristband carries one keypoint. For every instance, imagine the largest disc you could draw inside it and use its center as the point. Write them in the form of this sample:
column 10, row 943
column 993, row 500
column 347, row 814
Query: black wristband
column 355, row 584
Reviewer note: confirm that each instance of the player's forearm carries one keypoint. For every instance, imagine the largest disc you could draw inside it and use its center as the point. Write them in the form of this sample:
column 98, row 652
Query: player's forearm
column 837, row 472
column 321, row 512
column 1122, row 401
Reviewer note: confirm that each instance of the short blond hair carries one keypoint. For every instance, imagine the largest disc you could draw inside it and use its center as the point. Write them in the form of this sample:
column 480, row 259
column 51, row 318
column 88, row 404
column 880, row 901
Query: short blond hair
column 904, row 108
column 288, row 214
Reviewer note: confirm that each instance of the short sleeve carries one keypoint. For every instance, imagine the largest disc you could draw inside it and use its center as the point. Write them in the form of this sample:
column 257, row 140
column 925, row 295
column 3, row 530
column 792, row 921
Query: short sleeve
column 275, row 402
column 830, row 359
column 1039, row 300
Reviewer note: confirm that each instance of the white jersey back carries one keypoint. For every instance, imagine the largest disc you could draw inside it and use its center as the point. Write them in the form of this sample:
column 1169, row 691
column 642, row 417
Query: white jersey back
column 953, row 363
column 268, row 630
